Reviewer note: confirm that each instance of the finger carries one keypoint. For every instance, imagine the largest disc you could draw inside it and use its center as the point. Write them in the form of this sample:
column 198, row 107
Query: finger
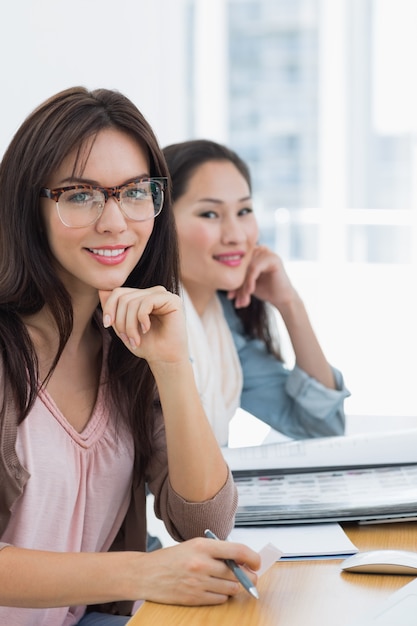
column 243, row 296
column 243, row 301
column 201, row 598
column 238, row 552
column 224, row 587
column 107, row 317
column 221, row 581
column 112, row 303
column 116, row 302
column 137, row 319
column 137, row 311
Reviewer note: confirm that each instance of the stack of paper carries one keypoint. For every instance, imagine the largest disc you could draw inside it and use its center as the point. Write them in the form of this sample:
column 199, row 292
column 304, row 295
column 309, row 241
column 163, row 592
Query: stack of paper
column 364, row 450
column 361, row 477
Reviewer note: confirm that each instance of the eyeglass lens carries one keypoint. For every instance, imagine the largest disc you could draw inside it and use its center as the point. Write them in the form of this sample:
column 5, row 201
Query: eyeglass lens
column 83, row 205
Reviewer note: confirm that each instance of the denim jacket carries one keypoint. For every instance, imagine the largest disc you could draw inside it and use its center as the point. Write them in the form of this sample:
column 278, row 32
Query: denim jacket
column 288, row 400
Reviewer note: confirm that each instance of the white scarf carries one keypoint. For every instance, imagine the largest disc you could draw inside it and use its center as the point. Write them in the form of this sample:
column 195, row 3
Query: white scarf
column 217, row 369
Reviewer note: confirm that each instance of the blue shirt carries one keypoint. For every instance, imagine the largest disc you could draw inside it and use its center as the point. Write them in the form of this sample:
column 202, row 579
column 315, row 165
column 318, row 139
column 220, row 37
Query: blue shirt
column 288, row 400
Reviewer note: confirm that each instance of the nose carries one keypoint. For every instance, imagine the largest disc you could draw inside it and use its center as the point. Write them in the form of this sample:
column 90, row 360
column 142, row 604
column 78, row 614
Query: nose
column 111, row 218
column 232, row 230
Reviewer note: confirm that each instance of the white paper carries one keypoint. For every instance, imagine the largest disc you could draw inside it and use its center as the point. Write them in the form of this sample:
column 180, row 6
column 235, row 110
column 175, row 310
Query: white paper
column 368, row 449
column 269, row 555
column 299, row 541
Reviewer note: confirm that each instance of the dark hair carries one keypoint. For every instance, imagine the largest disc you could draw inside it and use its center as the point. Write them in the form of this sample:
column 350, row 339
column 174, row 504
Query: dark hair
column 183, row 159
column 28, row 280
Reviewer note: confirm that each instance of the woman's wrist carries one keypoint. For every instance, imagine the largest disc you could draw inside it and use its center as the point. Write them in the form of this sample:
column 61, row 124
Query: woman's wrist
column 290, row 306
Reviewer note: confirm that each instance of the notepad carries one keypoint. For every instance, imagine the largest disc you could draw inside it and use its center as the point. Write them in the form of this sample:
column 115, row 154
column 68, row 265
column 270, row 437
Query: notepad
column 298, row 542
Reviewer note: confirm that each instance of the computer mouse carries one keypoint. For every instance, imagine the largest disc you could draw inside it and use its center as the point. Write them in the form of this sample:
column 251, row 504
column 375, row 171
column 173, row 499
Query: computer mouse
column 382, row 562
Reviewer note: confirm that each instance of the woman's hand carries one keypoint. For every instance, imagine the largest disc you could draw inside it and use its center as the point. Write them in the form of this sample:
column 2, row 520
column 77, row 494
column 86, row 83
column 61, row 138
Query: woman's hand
column 190, row 573
column 150, row 322
column 267, row 279
column 194, row 573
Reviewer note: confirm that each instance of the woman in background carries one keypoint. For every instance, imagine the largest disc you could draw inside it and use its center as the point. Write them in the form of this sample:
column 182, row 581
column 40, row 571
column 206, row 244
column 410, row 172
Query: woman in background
column 231, row 287
column 97, row 393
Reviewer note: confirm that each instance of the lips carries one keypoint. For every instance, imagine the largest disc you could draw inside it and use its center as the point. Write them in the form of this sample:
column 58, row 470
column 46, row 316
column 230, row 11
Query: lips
column 109, row 256
column 107, row 252
column 231, row 260
column 228, row 257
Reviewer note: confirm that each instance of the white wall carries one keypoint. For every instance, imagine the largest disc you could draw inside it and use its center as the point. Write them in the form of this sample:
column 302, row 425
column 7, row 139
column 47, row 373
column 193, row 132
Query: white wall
column 134, row 46
column 365, row 317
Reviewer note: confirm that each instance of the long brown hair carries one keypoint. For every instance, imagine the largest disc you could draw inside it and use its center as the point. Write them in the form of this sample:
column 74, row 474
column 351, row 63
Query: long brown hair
column 183, row 159
column 28, row 280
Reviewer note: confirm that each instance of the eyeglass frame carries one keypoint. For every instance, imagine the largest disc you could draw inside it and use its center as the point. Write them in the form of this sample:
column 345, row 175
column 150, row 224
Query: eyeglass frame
column 108, row 192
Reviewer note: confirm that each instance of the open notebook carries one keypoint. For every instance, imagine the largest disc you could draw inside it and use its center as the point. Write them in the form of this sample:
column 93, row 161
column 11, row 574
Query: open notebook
column 367, row 477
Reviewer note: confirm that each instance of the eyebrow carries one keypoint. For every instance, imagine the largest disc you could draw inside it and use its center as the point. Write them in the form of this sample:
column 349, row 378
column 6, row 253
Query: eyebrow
column 75, row 180
column 218, row 201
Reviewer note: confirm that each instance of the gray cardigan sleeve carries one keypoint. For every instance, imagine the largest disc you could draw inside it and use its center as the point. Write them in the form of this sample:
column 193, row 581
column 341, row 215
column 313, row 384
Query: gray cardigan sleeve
column 184, row 519
column 286, row 399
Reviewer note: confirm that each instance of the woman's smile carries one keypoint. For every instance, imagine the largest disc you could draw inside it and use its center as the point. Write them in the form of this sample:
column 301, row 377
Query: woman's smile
column 109, row 255
column 231, row 260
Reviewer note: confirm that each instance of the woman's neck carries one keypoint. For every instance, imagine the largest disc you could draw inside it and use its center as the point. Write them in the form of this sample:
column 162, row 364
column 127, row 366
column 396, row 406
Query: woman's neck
column 44, row 332
column 199, row 296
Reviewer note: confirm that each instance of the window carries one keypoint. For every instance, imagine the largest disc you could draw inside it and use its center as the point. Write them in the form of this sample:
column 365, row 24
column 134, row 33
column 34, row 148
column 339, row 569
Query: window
column 334, row 170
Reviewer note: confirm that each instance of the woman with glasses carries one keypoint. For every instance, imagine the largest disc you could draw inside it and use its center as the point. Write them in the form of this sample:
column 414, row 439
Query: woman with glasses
column 233, row 286
column 97, row 394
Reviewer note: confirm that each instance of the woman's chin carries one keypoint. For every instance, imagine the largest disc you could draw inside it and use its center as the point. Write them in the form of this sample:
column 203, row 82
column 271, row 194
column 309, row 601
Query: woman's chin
column 230, row 286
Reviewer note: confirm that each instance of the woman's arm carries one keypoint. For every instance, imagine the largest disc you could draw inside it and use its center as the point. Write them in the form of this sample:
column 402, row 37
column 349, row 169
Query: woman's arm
column 191, row 573
column 152, row 325
column 267, row 279
column 288, row 400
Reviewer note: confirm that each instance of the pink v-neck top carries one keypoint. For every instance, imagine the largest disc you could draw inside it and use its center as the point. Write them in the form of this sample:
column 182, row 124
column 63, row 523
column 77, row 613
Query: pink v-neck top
column 77, row 496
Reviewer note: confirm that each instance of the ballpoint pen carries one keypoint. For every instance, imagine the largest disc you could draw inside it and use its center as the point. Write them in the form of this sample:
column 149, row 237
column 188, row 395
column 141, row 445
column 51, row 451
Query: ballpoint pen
column 238, row 571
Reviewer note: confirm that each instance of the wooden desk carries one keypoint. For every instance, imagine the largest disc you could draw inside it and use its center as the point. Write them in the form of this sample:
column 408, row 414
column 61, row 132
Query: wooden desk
column 314, row 593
